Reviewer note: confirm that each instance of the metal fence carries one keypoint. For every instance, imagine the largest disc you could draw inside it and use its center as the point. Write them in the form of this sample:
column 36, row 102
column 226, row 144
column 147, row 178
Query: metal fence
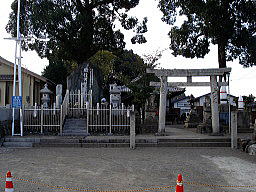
column 100, row 119
column 77, row 103
column 108, row 120
column 40, row 120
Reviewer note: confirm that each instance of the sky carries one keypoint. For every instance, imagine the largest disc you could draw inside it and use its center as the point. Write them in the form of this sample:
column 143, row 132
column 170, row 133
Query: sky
column 241, row 80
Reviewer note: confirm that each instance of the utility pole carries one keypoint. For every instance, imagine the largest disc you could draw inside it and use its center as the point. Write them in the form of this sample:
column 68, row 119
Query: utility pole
column 18, row 99
column 17, row 61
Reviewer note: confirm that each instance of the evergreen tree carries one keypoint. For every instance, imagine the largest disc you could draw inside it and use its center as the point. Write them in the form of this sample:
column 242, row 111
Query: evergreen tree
column 230, row 24
column 75, row 29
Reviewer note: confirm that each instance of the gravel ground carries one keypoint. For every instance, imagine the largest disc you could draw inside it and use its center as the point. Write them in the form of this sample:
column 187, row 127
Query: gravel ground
column 125, row 169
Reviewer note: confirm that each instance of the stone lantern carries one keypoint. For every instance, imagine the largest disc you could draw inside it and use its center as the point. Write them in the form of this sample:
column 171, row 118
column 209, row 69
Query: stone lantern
column 45, row 96
column 115, row 96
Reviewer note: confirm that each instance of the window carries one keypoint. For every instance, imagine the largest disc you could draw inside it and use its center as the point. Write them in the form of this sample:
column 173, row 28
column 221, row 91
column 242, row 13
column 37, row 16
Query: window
column 7, row 93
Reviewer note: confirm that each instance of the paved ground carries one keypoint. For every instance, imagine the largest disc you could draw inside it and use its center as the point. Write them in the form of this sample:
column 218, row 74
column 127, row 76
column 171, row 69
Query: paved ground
column 125, row 169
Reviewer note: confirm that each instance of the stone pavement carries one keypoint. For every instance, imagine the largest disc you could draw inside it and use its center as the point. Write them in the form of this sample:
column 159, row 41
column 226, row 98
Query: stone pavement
column 124, row 169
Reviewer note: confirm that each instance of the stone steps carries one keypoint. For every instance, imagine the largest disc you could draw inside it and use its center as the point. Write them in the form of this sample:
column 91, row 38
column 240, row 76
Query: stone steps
column 195, row 140
column 194, row 144
column 74, row 134
column 19, row 142
column 100, row 141
column 74, row 127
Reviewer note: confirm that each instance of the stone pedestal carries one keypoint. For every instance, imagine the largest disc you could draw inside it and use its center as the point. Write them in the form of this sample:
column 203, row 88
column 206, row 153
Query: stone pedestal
column 243, row 122
column 193, row 119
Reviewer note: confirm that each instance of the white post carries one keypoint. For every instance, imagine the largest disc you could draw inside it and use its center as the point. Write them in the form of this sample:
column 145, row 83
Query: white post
column 35, row 111
column 67, row 102
column 162, row 105
column 54, row 108
column 42, row 118
column 234, row 129
column 61, row 120
column 122, row 111
column 214, row 105
column 20, row 91
column 14, row 88
column 87, row 117
column 110, row 119
column 79, row 99
column 18, row 42
column 98, row 107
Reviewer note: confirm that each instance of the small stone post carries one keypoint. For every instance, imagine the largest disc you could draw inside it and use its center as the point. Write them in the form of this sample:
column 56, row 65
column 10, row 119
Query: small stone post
column 58, row 96
column 214, row 105
column 132, row 129
column 162, row 105
column 234, row 129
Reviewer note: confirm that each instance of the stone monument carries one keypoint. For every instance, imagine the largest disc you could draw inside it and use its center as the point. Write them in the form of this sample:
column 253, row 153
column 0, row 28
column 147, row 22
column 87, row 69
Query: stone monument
column 58, row 95
column 115, row 96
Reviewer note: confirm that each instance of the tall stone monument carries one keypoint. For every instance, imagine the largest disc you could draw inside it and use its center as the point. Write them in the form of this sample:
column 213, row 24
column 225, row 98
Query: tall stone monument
column 58, row 95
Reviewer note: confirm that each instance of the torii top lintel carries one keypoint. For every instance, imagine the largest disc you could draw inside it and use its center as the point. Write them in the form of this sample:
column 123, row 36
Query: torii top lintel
column 189, row 72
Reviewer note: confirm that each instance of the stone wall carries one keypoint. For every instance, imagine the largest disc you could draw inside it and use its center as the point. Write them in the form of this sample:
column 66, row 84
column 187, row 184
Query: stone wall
column 6, row 120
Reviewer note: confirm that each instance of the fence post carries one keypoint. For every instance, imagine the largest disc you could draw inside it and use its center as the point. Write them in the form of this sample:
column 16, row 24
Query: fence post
column 67, row 103
column 122, row 111
column 21, row 120
column 132, row 128
column 54, row 108
column 61, row 120
column 234, row 129
column 110, row 120
column 42, row 118
column 87, row 117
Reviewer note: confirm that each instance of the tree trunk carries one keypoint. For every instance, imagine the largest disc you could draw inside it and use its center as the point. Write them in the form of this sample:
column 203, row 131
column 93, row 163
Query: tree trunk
column 222, row 57
column 222, row 62
column 222, row 54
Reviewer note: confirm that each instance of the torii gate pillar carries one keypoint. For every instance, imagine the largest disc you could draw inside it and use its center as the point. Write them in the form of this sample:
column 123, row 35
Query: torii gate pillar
column 162, row 104
column 189, row 73
column 214, row 105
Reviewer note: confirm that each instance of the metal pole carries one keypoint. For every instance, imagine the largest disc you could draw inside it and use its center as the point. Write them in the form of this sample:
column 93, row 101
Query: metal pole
column 18, row 41
column 14, row 88
column 20, row 89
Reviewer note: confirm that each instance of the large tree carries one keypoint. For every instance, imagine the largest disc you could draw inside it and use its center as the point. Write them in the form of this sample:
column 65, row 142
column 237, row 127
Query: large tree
column 75, row 29
column 124, row 68
column 230, row 24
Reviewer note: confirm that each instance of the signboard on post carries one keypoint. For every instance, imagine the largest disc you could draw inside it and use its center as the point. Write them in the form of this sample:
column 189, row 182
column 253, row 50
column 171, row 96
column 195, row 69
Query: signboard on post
column 16, row 102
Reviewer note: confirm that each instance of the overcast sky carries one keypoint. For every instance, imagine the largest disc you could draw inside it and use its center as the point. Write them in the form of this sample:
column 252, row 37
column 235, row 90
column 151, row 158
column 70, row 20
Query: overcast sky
column 242, row 79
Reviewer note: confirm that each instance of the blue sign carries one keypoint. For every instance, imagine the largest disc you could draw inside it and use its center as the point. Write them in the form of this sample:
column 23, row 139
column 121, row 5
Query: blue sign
column 16, row 101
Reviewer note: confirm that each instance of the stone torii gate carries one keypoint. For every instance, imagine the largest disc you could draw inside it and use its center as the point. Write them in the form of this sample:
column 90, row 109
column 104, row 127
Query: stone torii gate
column 189, row 73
